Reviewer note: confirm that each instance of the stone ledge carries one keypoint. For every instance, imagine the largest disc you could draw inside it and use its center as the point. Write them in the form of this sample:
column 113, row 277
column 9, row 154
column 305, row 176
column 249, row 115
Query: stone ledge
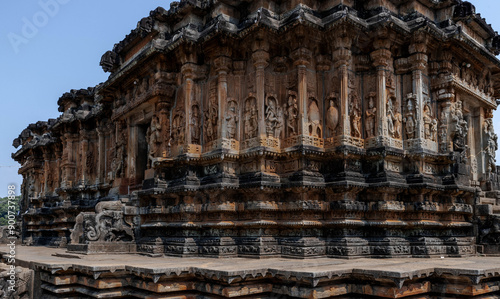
column 138, row 275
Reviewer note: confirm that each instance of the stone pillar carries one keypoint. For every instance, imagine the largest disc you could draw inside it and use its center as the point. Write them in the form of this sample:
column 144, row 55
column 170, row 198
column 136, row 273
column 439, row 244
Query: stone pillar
column 476, row 134
column 188, row 71
column 342, row 57
column 131, row 150
column 101, row 163
column 239, row 72
column 381, row 59
column 46, row 170
column 84, row 147
column 163, row 108
column 260, row 57
column 58, row 171
column 302, row 58
column 445, row 98
column 418, row 61
column 222, row 66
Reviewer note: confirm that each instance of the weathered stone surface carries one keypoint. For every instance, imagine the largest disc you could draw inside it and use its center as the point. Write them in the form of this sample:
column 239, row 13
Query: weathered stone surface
column 113, row 276
column 298, row 129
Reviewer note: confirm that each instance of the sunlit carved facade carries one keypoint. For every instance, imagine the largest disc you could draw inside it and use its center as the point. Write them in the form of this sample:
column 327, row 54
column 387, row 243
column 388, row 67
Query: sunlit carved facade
column 286, row 128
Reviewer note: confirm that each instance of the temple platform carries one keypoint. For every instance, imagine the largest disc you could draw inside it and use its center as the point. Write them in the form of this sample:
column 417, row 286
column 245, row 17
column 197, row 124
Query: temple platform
column 54, row 273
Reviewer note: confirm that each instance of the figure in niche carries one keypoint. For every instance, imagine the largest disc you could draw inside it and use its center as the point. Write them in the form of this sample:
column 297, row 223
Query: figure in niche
column 370, row 114
column 355, row 115
column 410, row 117
column 314, row 118
column 251, row 121
column 178, row 128
column 211, row 118
column 492, row 144
column 434, row 129
column 443, row 132
column 332, row 115
column 459, row 128
column 117, row 164
column 390, row 116
column 232, row 118
column 153, row 137
column 195, row 124
column 292, row 113
column 427, row 121
column 398, row 120
column 279, row 125
column 271, row 116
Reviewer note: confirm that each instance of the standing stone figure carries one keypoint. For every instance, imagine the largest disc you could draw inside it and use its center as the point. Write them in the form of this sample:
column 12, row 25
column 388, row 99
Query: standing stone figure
column 314, row 118
column 390, row 117
column 211, row 118
column 195, row 124
column 232, row 119
column 292, row 114
column 370, row 113
column 332, row 116
column 153, row 137
column 427, row 121
column 355, row 115
column 271, row 116
column 279, row 125
column 250, row 120
column 410, row 118
column 459, row 128
column 491, row 145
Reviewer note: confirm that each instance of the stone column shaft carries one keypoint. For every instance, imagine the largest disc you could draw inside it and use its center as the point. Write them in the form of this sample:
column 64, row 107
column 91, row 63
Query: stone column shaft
column 187, row 71
column 101, row 164
column 342, row 58
column 261, row 60
column 381, row 58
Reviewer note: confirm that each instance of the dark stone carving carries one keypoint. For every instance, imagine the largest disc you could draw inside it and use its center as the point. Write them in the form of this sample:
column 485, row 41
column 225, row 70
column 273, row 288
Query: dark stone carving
column 109, row 61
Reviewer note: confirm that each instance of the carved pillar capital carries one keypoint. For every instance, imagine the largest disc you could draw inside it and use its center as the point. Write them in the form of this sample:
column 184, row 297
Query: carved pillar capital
column 381, row 58
column 222, row 64
column 260, row 59
column 302, row 56
column 188, row 70
column 418, row 61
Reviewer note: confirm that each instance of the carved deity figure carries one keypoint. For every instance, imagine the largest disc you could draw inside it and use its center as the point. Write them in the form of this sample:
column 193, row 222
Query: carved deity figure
column 178, row 133
column 355, row 116
column 332, row 116
column 195, row 124
column 410, row 117
column 251, row 118
column 211, row 118
column 491, row 144
column 370, row 114
column 279, row 125
column 314, row 118
column 292, row 114
column 153, row 137
column 434, row 129
column 427, row 117
column 391, row 117
column 271, row 116
column 231, row 119
column 459, row 127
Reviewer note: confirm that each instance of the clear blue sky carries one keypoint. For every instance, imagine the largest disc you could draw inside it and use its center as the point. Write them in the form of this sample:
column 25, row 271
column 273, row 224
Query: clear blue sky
column 63, row 53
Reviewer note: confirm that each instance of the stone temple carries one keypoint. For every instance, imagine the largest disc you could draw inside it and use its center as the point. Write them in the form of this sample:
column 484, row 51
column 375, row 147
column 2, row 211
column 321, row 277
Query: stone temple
column 275, row 129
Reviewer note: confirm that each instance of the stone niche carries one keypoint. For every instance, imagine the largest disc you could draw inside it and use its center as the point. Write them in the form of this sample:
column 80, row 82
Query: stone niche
column 298, row 129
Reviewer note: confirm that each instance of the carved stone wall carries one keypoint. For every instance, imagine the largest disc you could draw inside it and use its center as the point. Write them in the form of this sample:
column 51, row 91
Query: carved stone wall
column 340, row 128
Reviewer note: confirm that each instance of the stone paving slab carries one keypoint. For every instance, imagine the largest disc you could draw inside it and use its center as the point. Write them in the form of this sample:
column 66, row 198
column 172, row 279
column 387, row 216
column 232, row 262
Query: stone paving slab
column 390, row 268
